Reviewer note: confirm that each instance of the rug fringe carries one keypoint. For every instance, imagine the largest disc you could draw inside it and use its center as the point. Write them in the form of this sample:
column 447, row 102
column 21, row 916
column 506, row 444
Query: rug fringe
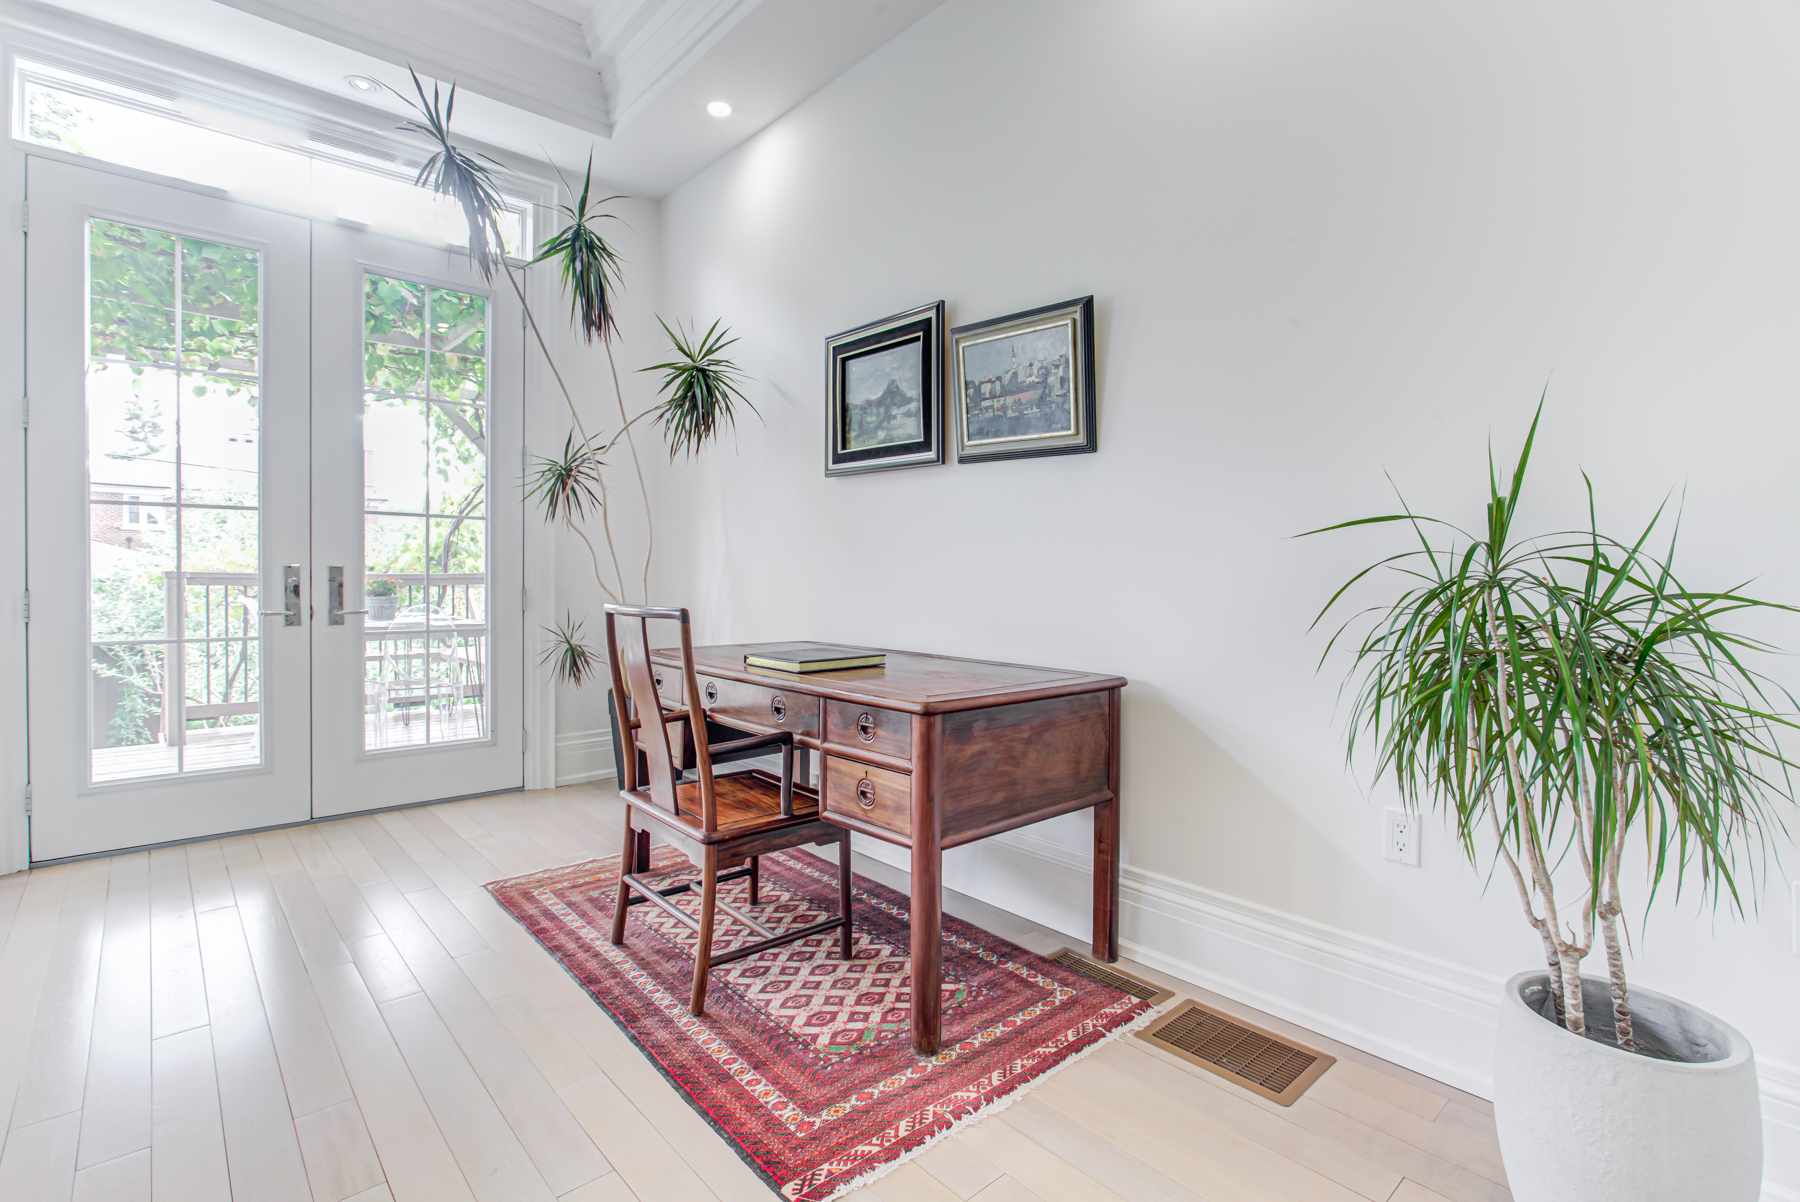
column 989, row 1111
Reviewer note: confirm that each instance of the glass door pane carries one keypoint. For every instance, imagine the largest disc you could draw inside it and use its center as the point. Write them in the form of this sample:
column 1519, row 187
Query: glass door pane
column 425, row 488
column 174, row 530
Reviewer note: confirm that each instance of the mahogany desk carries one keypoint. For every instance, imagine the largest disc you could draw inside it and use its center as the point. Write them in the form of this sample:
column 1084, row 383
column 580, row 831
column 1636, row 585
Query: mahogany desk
column 931, row 752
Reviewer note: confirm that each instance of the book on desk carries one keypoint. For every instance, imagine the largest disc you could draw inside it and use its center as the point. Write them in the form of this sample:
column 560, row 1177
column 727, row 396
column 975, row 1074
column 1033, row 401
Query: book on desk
column 814, row 657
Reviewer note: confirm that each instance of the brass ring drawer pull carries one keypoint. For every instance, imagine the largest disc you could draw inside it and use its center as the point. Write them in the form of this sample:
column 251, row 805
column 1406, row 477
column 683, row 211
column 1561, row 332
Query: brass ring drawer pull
column 778, row 707
column 658, row 679
column 712, row 693
column 865, row 793
column 865, row 727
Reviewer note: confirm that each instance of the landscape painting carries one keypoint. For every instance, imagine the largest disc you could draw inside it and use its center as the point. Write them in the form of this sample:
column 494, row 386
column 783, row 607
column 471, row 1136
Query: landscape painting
column 884, row 393
column 1024, row 384
column 884, row 397
column 1020, row 385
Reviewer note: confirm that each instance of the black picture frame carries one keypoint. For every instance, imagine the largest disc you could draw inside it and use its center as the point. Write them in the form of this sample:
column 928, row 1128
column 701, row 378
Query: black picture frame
column 866, row 433
column 1019, row 413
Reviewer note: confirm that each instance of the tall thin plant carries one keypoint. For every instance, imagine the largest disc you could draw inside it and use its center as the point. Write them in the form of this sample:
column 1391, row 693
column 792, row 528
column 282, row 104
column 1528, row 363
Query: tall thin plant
column 1558, row 696
column 699, row 391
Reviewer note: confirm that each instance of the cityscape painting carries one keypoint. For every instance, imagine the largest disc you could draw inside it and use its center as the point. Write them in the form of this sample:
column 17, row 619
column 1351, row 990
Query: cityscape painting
column 884, row 390
column 883, row 398
column 1018, row 385
column 1024, row 384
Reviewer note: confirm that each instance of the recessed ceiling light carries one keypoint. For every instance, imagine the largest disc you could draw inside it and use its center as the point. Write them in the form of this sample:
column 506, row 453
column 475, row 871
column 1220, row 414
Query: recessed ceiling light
column 362, row 83
column 719, row 108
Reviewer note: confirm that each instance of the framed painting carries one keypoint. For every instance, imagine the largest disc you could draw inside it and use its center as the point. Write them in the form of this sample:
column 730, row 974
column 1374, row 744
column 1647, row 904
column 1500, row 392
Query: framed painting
column 884, row 393
column 1023, row 385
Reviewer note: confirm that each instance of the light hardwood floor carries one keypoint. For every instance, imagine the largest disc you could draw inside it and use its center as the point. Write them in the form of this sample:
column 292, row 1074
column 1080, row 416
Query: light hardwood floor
column 341, row 1012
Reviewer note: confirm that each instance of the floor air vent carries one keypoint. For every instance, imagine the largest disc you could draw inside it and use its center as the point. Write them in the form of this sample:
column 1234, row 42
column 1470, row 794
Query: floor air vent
column 1137, row 987
column 1260, row 1061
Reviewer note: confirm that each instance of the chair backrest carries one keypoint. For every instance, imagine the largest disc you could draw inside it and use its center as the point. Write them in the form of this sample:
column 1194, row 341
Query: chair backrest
column 641, row 711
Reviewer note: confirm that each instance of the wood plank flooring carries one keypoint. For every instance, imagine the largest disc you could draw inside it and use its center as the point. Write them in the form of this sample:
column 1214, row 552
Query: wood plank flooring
column 340, row 1012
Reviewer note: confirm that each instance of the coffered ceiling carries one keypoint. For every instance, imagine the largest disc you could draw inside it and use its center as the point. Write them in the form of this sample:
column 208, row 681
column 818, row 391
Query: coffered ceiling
column 627, row 80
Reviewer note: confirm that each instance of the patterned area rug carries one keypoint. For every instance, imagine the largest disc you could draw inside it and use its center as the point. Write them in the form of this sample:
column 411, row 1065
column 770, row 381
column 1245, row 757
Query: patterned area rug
column 803, row 1061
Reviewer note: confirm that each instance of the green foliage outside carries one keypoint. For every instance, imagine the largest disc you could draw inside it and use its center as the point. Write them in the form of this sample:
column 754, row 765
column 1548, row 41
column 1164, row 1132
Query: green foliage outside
column 426, row 353
column 180, row 316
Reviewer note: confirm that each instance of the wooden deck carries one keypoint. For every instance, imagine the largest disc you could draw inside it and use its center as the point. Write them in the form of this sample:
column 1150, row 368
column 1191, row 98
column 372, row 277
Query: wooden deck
column 340, row 1012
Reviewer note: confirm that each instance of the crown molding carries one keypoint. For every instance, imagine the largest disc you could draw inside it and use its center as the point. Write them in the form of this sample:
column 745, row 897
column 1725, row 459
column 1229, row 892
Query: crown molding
column 642, row 46
column 512, row 51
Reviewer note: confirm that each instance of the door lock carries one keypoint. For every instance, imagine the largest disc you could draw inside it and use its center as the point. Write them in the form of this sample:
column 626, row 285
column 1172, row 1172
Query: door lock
column 290, row 597
column 334, row 597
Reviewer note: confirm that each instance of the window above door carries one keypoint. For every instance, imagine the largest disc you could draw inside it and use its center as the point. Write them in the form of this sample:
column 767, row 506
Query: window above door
column 364, row 177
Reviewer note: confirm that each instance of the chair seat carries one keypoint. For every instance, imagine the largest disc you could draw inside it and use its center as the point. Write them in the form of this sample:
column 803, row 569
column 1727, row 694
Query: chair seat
column 749, row 803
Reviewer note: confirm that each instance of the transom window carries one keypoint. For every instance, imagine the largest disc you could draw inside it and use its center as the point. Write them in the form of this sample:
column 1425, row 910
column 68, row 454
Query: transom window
column 78, row 115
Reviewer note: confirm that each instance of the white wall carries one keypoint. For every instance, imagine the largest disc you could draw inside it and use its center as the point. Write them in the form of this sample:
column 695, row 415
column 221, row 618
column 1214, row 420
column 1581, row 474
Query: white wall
column 1327, row 241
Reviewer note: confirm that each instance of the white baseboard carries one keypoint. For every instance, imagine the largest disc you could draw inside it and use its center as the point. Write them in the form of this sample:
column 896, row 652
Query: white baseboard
column 1781, row 1129
column 583, row 755
column 1427, row 1014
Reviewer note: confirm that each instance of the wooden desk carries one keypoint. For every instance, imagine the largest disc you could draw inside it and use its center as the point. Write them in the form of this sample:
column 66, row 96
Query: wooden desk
column 931, row 752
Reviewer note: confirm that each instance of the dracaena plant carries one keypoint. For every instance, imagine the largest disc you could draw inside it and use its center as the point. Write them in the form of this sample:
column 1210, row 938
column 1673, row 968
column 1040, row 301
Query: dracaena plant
column 699, row 392
column 1561, row 696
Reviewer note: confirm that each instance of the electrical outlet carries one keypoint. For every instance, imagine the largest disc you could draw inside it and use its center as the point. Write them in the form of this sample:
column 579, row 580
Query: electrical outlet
column 1401, row 844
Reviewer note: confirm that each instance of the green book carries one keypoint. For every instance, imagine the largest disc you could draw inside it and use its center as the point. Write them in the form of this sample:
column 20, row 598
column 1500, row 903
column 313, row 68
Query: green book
column 815, row 657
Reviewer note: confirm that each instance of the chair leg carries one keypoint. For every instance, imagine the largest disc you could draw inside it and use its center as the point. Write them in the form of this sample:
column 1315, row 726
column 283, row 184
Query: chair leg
column 627, row 863
column 846, row 941
column 709, row 891
column 755, row 878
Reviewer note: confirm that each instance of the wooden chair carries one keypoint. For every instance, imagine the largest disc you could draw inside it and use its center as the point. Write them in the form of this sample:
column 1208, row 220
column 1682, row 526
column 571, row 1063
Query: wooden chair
column 733, row 818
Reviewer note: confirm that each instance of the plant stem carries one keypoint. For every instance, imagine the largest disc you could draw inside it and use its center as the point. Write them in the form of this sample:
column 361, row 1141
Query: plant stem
column 649, row 526
column 531, row 319
column 606, row 528
column 1563, row 963
column 582, row 535
column 1531, row 916
column 575, row 415
column 1610, row 910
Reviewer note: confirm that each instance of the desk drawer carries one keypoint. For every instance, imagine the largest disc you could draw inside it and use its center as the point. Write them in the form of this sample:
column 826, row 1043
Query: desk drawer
column 870, row 794
column 886, row 731
column 761, row 707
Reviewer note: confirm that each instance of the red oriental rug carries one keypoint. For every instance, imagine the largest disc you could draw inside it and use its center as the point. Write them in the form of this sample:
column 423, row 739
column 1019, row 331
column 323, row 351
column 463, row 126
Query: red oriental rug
column 803, row 1061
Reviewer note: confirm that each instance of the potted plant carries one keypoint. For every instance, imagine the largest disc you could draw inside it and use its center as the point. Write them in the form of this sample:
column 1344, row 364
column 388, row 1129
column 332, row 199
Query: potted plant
column 380, row 599
column 1558, row 697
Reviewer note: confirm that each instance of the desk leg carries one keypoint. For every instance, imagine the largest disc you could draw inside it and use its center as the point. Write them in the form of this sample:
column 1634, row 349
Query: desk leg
column 927, row 897
column 1106, row 881
column 1106, row 847
column 927, row 946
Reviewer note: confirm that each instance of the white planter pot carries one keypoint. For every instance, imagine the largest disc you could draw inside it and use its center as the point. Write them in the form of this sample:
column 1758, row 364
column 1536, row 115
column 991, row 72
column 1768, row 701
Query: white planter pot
column 1582, row 1121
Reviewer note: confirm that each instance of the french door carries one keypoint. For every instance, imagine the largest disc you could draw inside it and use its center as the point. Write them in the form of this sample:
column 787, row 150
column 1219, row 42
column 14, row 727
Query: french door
column 417, row 435
column 241, row 425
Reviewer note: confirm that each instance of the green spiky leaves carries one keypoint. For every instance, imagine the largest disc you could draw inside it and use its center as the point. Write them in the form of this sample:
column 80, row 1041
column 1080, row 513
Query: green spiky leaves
column 568, row 484
column 453, row 172
column 589, row 266
column 699, row 387
column 1567, row 689
column 570, row 660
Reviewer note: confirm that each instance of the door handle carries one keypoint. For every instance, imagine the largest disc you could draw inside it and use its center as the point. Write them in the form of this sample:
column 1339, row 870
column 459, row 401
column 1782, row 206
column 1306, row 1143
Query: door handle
column 334, row 596
column 290, row 597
